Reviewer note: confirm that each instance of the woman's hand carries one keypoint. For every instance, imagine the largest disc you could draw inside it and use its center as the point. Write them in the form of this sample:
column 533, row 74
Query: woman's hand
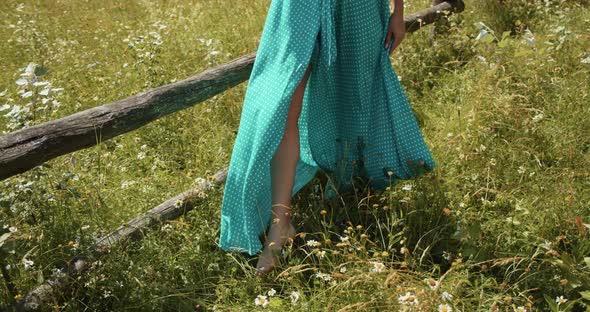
column 397, row 29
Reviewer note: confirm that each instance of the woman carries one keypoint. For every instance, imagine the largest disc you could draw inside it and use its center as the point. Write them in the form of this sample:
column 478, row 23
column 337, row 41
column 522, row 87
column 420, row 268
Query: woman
column 322, row 94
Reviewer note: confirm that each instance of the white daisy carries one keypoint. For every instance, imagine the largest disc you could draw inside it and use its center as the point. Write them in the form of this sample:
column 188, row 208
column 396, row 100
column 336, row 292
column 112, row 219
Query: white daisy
column 408, row 298
column 261, row 301
column 271, row 292
column 560, row 300
column 446, row 296
column 444, row 308
column 294, row 296
column 326, row 277
column 27, row 263
column 312, row 243
column 521, row 309
column 378, row 266
column 432, row 283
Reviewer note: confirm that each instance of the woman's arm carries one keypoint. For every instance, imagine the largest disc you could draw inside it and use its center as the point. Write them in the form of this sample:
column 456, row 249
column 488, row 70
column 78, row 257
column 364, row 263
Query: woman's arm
column 398, row 7
column 397, row 26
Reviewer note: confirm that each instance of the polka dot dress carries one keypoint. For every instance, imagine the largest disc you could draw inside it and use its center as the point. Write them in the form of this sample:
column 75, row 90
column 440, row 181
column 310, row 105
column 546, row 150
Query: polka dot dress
column 355, row 121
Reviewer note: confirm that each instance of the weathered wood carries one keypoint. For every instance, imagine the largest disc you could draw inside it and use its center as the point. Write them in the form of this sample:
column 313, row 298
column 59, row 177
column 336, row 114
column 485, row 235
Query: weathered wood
column 132, row 230
column 427, row 16
column 29, row 147
column 24, row 149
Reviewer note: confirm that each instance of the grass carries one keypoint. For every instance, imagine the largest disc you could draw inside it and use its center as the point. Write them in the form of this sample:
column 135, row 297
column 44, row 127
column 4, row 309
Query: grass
column 501, row 223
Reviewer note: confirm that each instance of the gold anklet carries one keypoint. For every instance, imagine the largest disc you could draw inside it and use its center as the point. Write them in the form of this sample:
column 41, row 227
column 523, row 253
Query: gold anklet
column 287, row 213
column 288, row 207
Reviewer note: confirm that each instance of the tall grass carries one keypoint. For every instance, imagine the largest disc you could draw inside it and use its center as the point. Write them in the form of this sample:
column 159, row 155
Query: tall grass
column 501, row 93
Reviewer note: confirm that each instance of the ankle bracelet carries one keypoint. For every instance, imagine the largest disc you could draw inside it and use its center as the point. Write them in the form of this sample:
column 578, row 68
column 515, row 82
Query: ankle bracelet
column 282, row 205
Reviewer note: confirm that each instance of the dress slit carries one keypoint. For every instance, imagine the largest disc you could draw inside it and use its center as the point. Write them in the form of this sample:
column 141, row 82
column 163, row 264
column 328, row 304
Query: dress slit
column 355, row 118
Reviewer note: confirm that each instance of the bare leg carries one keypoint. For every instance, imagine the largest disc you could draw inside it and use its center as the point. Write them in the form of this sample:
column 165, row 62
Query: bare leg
column 283, row 166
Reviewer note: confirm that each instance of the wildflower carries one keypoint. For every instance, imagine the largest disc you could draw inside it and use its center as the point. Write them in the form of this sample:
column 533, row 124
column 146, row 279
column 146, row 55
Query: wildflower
column 521, row 309
column 432, row 283
column 404, row 250
column 444, row 307
column 107, row 293
column 27, row 263
column 312, row 243
column 202, row 183
column 326, row 277
column 261, row 301
column 344, row 239
column 12, row 229
column 178, row 203
column 343, row 269
column 202, row 194
column 378, row 266
column 294, row 296
column 538, row 117
column 321, row 253
column 407, row 187
column 167, row 227
column 560, row 300
column 446, row 296
column 79, row 265
column 529, row 37
column 126, row 184
column 408, row 298
column 271, row 292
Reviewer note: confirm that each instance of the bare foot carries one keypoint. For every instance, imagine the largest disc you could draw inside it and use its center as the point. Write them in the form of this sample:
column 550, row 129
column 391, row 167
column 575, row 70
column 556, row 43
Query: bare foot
column 278, row 235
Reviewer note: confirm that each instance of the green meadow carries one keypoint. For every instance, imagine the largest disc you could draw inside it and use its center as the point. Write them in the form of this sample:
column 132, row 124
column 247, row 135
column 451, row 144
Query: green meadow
column 502, row 95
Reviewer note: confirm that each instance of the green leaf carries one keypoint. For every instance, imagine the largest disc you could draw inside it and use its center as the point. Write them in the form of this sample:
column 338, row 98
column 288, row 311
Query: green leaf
column 505, row 34
column 585, row 294
column 552, row 304
column 487, row 38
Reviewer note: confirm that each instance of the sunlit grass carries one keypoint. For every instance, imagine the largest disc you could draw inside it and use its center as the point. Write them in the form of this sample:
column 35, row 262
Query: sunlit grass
column 502, row 224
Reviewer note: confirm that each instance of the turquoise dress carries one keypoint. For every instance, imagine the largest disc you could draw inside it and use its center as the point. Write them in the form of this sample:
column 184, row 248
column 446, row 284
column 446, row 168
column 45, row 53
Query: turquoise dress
column 355, row 119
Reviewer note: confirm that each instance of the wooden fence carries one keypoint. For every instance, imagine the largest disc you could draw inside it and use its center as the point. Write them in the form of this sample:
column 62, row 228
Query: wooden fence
column 27, row 148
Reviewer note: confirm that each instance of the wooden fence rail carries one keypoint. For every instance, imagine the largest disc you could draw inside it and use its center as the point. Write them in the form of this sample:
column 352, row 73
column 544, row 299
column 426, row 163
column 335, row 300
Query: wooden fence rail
column 27, row 148
column 133, row 229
